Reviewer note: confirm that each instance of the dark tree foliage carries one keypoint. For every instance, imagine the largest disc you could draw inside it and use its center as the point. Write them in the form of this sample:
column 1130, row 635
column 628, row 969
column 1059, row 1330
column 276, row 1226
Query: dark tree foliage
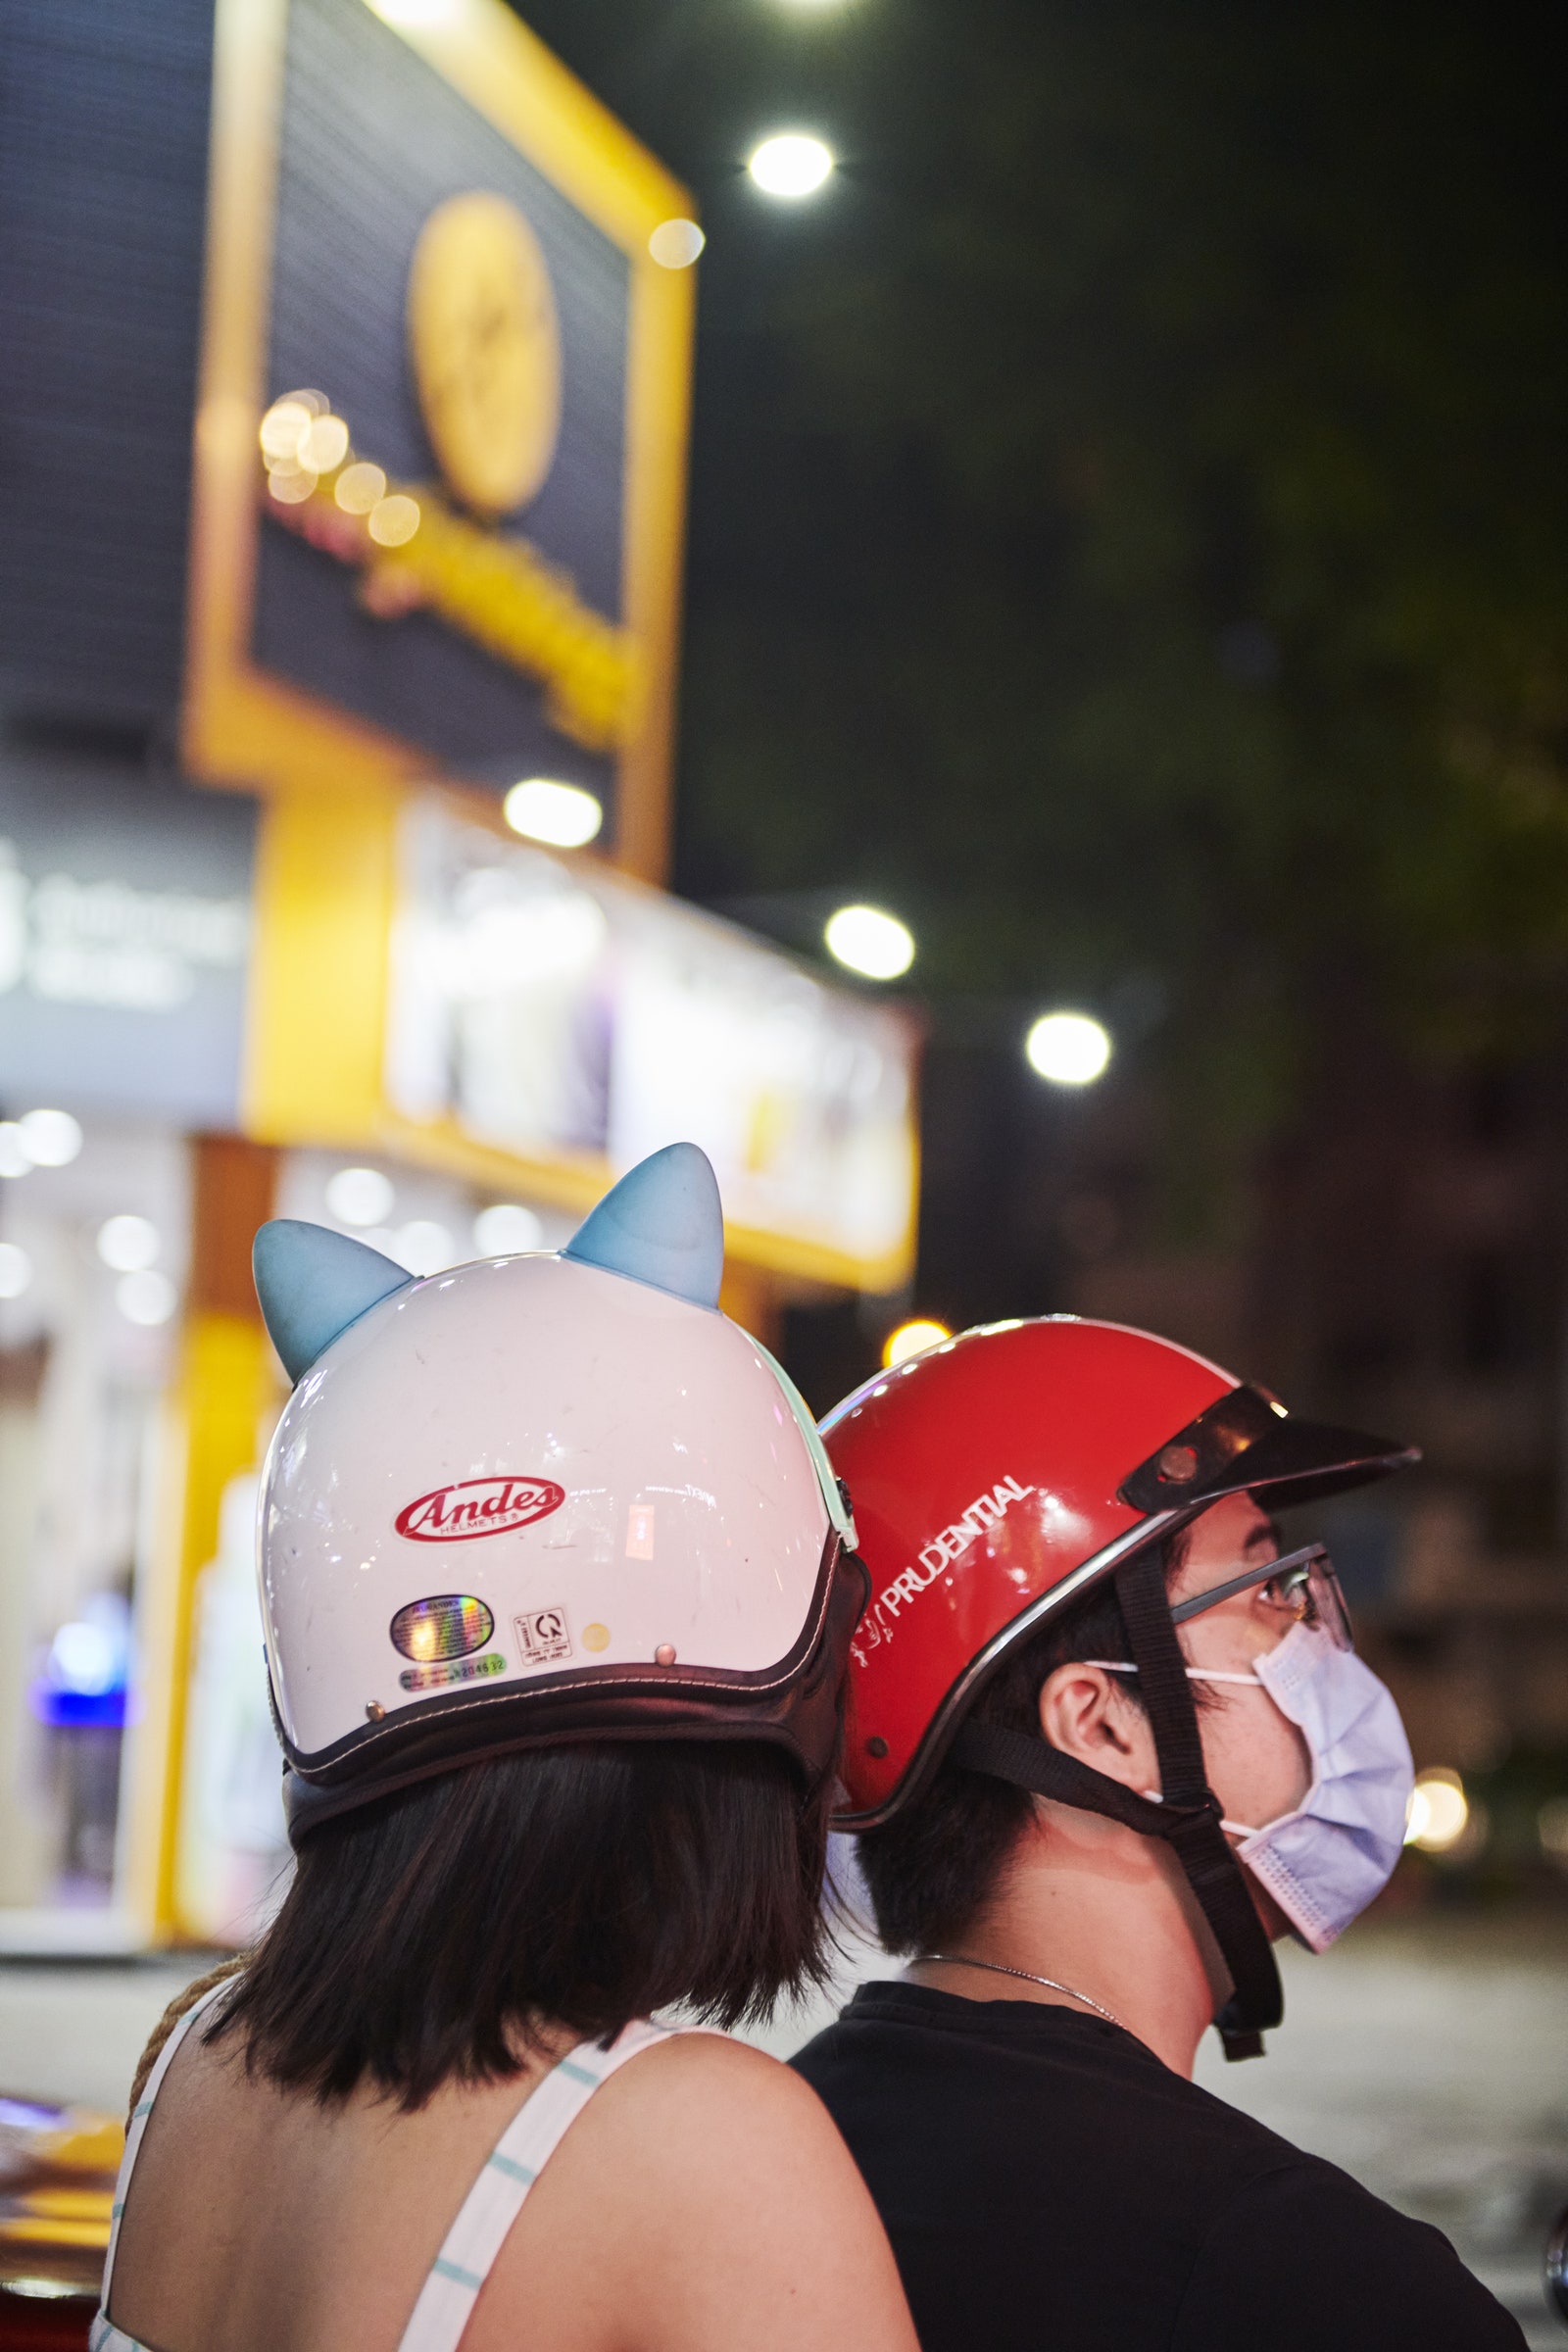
column 1130, row 523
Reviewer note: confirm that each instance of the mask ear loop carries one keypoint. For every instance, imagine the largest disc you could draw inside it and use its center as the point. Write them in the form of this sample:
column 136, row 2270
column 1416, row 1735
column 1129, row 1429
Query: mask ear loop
column 1195, row 1674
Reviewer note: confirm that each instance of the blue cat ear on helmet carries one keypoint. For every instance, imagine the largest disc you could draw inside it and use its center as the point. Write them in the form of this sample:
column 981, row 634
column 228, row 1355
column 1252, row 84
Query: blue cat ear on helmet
column 312, row 1284
column 662, row 1224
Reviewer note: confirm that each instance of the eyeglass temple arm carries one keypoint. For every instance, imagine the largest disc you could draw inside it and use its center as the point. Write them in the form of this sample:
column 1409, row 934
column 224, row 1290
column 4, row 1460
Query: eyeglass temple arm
column 1238, row 1583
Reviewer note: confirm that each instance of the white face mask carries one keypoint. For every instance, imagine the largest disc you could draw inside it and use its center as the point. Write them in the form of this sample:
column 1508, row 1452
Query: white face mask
column 1325, row 1861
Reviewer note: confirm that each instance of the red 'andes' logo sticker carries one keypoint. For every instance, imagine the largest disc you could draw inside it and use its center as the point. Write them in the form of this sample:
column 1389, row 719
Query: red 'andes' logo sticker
column 478, row 1507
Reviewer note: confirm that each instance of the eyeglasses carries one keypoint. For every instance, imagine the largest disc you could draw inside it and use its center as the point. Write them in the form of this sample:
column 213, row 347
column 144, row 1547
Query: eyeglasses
column 1303, row 1587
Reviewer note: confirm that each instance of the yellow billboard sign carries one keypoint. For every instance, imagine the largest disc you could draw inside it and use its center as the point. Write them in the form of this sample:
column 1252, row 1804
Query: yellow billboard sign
column 430, row 987
column 440, row 445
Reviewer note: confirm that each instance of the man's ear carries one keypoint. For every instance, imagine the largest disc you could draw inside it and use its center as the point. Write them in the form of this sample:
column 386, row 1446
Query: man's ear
column 1086, row 1714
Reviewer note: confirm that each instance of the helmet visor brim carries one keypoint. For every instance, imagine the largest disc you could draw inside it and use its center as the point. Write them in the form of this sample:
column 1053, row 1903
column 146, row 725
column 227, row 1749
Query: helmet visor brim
column 1248, row 1443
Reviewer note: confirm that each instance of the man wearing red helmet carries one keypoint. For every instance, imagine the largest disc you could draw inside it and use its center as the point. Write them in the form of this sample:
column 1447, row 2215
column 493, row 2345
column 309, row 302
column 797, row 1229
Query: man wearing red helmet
column 1106, row 1743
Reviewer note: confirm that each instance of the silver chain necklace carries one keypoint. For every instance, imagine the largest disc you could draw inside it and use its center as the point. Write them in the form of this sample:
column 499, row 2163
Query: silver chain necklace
column 997, row 1968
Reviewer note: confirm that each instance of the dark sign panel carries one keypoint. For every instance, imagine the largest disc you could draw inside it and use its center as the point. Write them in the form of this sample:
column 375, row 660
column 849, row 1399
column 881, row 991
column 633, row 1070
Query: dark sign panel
column 469, row 326
column 103, row 185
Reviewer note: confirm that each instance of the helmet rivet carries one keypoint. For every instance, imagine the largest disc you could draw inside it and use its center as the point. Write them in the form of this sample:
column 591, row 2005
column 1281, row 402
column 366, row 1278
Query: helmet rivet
column 876, row 1745
column 374, row 1710
column 1178, row 1463
column 665, row 1654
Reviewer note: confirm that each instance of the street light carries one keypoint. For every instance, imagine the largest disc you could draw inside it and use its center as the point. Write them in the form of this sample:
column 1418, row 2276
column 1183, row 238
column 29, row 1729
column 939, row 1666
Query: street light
column 563, row 814
column 1068, row 1049
column 866, row 941
column 790, row 164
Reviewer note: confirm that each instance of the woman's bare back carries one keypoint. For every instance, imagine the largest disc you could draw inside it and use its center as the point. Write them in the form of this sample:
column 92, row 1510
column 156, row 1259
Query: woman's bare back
column 703, row 2201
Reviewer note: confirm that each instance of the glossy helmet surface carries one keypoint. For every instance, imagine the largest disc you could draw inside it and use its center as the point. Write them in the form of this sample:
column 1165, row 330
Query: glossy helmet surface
column 998, row 1474
column 540, row 1499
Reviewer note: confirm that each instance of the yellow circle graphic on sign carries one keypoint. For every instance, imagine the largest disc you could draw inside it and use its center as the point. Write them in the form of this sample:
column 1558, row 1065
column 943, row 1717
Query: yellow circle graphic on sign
column 485, row 344
column 596, row 1637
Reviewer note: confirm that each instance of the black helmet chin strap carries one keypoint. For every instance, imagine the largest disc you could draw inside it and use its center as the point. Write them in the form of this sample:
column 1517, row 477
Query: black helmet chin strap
column 1187, row 1818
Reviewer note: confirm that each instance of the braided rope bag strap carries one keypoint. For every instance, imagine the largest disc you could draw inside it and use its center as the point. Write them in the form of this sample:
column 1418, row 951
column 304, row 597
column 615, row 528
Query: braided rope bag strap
column 178, row 2008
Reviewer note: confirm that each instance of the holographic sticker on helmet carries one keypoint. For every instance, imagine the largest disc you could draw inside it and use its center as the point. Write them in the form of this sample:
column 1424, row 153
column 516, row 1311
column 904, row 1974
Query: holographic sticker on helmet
column 478, row 1507
column 448, row 1625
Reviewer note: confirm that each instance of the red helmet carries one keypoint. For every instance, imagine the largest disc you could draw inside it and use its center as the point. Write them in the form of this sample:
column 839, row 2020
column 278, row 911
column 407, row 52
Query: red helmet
column 996, row 1476
column 994, row 1479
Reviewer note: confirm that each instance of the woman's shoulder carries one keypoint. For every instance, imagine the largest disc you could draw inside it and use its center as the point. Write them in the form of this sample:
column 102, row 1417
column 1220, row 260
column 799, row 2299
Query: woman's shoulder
column 713, row 2143
column 723, row 2104
column 699, row 2062
column 725, row 2206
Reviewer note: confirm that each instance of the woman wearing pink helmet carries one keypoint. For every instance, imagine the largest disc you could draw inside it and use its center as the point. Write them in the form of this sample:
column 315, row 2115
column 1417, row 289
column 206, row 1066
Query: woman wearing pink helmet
column 557, row 1589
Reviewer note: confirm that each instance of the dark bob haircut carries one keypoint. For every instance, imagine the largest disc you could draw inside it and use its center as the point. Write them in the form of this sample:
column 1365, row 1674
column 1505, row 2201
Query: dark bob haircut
column 433, row 1935
column 935, row 1866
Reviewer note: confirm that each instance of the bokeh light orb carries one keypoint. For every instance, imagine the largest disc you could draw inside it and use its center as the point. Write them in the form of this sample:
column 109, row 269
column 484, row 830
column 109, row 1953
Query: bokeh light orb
column 1068, row 1049
column 869, row 941
column 791, row 164
column 1439, row 1811
column 676, row 244
column 912, row 1339
column 563, row 814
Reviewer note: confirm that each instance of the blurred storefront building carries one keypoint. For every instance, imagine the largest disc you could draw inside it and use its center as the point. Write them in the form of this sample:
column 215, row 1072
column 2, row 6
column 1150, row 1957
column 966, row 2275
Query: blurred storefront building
column 344, row 439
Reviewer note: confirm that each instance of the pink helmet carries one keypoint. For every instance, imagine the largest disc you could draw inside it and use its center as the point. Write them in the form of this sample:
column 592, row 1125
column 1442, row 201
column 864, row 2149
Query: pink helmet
column 540, row 1499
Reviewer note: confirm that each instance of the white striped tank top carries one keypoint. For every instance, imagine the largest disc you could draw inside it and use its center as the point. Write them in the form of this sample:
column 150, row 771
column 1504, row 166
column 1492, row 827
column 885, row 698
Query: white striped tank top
column 491, row 2206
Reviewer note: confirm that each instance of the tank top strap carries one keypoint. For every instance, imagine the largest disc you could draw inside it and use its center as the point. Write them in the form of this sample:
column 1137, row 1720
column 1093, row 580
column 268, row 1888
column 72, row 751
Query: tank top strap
column 494, row 2202
column 138, row 2125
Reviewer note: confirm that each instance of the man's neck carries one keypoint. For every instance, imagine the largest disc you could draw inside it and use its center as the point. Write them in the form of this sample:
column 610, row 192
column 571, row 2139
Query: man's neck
column 1099, row 1910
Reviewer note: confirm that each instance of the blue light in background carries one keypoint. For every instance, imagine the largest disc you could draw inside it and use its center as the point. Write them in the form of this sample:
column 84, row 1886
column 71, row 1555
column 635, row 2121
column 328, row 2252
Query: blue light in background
column 86, row 1676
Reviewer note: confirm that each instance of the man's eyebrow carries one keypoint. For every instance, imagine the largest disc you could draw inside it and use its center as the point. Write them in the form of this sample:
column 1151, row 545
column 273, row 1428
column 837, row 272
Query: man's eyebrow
column 1268, row 1534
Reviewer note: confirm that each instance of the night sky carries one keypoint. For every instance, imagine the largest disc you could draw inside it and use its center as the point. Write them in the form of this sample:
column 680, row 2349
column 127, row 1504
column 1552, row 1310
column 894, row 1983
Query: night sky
column 1129, row 537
